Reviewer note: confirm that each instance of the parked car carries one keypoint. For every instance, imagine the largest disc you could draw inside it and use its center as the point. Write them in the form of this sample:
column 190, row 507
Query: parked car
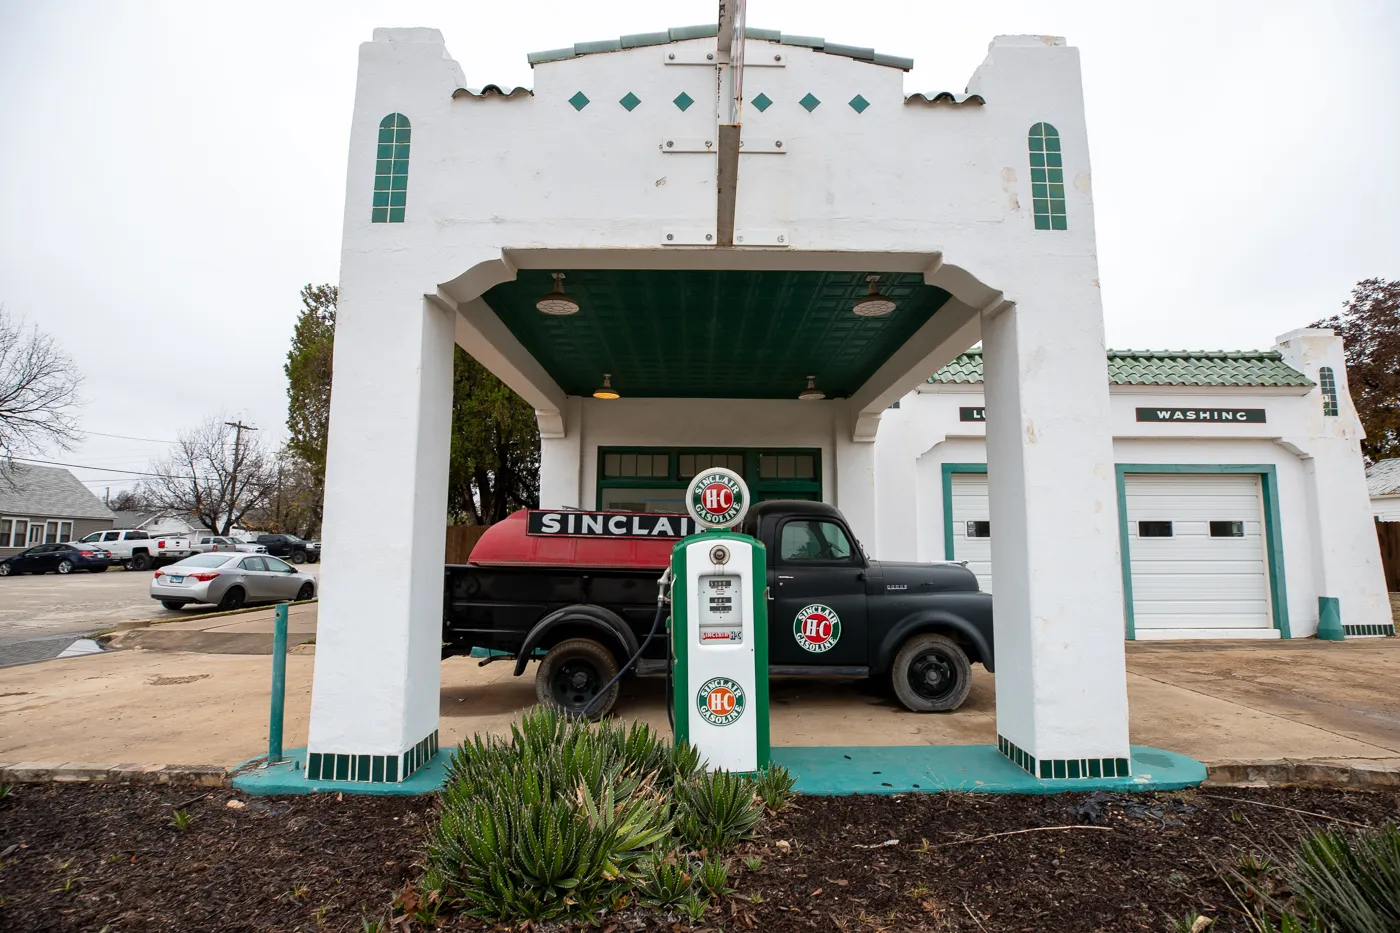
column 230, row 579
column 57, row 558
column 137, row 549
column 206, row 544
column 587, row 603
column 295, row 549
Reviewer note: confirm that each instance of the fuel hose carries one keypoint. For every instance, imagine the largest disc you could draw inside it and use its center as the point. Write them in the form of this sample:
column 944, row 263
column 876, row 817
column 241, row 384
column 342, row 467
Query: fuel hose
column 663, row 594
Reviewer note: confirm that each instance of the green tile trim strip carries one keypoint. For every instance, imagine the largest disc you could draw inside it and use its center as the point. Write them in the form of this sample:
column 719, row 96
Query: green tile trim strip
column 762, row 101
column 810, row 102
column 630, row 102
column 1068, row 769
column 683, row 101
column 944, row 97
column 858, row 104
column 371, row 768
column 1166, row 368
column 1047, row 178
column 1327, row 379
column 1356, row 630
column 710, row 31
column 391, row 170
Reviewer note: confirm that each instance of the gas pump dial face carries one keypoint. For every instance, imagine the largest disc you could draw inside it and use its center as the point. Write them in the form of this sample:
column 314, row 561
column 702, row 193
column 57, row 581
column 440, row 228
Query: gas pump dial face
column 717, row 498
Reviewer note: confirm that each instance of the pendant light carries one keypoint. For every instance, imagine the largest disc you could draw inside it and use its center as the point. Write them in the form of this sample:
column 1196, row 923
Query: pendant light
column 873, row 304
column 606, row 390
column 811, row 393
column 556, row 302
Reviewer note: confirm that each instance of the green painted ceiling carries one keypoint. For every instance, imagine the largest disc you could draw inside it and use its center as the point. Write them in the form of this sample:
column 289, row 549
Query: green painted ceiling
column 705, row 334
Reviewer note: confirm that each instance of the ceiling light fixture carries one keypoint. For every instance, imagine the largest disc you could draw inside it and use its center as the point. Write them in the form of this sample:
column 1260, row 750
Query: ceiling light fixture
column 873, row 304
column 811, row 393
column 556, row 302
column 606, row 390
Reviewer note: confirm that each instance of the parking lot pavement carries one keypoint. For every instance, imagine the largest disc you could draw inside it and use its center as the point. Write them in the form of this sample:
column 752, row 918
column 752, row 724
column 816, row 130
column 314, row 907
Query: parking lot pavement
column 37, row 607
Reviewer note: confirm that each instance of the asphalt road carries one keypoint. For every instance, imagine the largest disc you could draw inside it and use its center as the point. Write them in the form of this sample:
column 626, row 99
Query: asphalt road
column 44, row 607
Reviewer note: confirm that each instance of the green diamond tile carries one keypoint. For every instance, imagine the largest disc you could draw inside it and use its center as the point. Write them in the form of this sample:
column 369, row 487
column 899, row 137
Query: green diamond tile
column 683, row 101
column 630, row 101
column 762, row 102
column 858, row 104
column 1165, row 367
column 579, row 100
column 810, row 102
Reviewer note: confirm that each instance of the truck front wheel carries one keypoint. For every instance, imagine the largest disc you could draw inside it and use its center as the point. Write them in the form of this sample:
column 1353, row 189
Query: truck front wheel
column 571, row 675
column 931, row 674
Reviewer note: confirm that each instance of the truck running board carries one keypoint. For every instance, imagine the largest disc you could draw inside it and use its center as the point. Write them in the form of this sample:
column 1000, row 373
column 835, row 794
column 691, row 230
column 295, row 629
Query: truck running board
column 816, row 670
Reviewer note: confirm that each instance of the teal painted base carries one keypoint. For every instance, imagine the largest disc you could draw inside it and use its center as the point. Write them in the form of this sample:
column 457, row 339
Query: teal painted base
column 836, row 771
column 289, row 777
column 902, row 769
column 1329, row 619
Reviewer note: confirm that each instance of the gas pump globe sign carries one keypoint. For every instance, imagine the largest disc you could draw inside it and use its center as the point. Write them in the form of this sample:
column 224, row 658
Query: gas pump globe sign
column 717, row 498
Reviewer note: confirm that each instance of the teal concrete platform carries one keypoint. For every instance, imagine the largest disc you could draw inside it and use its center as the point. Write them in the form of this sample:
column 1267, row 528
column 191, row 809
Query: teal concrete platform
column 904, row 769
column 288, row 776
column 834, row 771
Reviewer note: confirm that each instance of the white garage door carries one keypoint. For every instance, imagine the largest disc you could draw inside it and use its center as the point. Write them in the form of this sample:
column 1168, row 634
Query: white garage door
column 1197, row 547
column 972, row 539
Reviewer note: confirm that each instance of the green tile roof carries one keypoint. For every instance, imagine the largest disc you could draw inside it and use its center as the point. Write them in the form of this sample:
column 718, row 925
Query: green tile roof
column 1165, row 368
column 710, row 31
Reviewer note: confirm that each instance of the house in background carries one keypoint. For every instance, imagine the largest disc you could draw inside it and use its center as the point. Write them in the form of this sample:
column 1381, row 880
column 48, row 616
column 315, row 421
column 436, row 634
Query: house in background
column 1383, row 483
column 46, row 505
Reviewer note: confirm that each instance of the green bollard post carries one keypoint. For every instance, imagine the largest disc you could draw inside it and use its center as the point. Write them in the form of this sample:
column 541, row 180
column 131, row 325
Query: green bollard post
column 1329, row 619
column 279, row 684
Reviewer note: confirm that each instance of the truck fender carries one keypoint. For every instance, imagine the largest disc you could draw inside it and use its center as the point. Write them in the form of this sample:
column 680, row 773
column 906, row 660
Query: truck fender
column 607, row 624
column 930, row 621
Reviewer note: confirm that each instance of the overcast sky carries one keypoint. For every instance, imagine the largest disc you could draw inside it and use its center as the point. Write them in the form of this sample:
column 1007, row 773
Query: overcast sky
column 174, row 172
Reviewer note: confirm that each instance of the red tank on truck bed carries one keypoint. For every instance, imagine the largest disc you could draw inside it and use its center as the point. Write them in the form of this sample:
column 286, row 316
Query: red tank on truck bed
column 615, row 540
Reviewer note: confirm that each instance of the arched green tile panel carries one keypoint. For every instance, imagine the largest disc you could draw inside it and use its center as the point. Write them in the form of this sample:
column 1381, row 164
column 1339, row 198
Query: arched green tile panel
column 391, row 170
column 1047, row 178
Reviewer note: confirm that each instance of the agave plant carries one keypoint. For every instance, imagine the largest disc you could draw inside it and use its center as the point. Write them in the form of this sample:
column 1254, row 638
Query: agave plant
column 774, row 785
column 717, row 809
column 665, row 880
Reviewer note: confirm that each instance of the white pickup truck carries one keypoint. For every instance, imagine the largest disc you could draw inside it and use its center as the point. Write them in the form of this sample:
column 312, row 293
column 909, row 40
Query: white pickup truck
column 141, row 550
column 204, row 544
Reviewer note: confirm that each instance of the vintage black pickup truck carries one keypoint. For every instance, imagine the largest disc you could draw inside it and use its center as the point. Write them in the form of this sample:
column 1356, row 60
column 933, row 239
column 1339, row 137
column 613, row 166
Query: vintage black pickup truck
column 585, row 602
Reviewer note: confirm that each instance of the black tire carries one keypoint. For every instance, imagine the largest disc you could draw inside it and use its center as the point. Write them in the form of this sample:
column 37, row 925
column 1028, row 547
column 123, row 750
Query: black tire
column 234, row 598
column 139, row 562
column 298, row 557
column 5, row 570
column 65, row 566
column 931, row 674
column 172, row 604
column 571, row 675
column 306, row 592
column 97, row 570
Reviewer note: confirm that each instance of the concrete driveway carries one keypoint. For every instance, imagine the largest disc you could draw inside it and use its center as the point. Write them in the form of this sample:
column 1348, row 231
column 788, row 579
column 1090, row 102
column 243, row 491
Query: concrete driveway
column 40, row 614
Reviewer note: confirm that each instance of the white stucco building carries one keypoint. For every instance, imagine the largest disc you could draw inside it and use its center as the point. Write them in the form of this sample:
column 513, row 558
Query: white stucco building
column 718, row 209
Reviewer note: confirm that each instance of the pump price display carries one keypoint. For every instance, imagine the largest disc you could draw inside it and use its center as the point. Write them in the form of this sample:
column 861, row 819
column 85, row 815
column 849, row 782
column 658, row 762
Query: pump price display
column 721, row 617
column 720, row 701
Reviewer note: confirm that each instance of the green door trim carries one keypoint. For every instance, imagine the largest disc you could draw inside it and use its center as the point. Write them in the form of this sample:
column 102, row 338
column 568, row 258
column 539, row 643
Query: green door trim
column 948, row 470
column 1273, row 532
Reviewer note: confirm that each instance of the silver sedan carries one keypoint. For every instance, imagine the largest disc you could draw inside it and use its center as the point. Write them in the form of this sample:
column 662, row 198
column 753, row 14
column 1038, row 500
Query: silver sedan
column 230, row 579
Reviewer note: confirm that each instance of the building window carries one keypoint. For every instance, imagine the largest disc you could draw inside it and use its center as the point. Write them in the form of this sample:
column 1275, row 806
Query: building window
column 1154, row 529
column 1047, row 178
column 1227, row 529
column 391, row 170
column 1328, row 380
column 979, row 529
column 654, row 479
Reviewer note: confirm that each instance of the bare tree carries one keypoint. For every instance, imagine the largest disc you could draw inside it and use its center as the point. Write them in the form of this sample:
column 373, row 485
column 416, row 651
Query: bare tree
column 213, row 475
column 131, row 500
column 38, row 389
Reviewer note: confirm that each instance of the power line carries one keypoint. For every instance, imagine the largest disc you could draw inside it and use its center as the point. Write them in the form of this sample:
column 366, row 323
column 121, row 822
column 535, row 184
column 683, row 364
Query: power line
column 88, row 466
column 125, row 437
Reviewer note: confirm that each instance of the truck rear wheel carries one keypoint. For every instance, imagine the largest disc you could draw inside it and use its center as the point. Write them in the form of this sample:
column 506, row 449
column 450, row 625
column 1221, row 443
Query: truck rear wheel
column 572, row 674
column 140, row 561
column 931, row 674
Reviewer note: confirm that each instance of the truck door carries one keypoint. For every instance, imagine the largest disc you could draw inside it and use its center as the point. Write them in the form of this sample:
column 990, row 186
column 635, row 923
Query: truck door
column 817, row 580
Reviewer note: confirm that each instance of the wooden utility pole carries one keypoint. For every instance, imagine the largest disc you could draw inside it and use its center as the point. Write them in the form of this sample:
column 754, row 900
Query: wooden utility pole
column 238, row 428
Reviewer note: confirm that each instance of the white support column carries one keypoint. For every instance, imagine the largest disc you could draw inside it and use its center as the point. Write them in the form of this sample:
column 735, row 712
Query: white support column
column 1058, row 605
column 374, row 701
column 561, row 451
column 855, row 479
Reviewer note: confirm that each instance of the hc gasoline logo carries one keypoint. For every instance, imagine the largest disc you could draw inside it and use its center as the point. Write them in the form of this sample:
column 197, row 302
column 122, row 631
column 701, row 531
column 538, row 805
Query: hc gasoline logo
column 817, row 628
column 720, row 701
column 717, row 498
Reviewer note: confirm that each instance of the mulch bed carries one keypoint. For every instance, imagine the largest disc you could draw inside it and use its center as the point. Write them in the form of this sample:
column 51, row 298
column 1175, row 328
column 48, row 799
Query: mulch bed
column 88, row 858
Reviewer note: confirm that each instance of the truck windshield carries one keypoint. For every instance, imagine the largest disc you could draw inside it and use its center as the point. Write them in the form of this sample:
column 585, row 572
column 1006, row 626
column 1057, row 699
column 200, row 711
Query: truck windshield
column 814, row 540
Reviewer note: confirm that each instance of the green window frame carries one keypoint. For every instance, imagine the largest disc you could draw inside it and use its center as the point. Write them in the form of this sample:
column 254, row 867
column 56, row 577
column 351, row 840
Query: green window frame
column 1047, row 178
column 1327, row 379
column 391, row 170
column 762, row 487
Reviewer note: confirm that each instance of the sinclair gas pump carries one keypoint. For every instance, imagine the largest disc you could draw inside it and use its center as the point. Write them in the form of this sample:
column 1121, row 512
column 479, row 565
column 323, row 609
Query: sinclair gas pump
column 719, row 629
